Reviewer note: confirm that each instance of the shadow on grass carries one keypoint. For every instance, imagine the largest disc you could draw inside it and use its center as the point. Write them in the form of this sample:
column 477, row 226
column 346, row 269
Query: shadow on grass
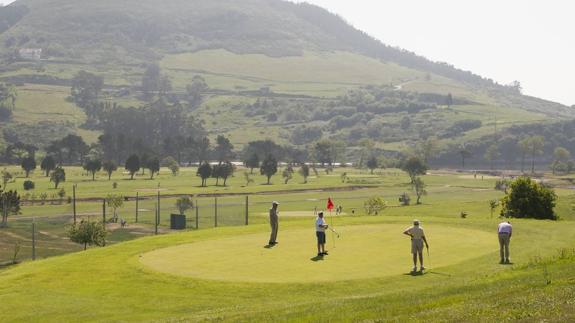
column 415, row 273
column 316, row 258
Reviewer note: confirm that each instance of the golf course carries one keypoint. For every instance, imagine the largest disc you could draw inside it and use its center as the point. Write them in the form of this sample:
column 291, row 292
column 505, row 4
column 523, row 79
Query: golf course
column 229, row 273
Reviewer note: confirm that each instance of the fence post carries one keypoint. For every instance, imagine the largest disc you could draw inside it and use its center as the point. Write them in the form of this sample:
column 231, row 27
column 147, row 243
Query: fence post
column 33, row 238
column 156, row 221
column 104, row 217
column 159, row 218
column 137, row 207
column 197, row 215
column 216, row 212
column 74, row 201
column 247, row 209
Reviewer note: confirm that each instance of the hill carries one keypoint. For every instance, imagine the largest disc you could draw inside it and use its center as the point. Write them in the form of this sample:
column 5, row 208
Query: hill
column 305, row 65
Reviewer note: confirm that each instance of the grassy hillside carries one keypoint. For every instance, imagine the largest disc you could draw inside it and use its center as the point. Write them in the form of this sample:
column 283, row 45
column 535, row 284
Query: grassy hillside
column 296, row 58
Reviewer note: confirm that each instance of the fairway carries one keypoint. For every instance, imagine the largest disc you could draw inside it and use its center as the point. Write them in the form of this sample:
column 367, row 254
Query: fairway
column 362, row 252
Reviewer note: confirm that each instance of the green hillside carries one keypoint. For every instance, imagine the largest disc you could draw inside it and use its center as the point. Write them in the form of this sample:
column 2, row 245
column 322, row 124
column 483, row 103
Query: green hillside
column 273, row 70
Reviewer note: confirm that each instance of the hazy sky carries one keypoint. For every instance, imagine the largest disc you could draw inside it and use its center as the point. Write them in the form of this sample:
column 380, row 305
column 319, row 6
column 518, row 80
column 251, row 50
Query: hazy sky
column 532, row 41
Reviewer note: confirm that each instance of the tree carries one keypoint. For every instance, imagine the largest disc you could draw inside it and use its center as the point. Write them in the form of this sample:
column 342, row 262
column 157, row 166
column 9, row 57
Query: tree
column 86, row 88
column 8, row 96
column 304, row 172
column 224, row 149
column 419, row 188
column 226, row 170
column 414, row 167
column 12, row 200
column 132, row 165
column 172, row 165
column 248, row 178
column 151, row 81
column 153, row 165
column 523, row 146
column 465, row 153
column 287, row 174
column 372, row 163
column 88, row 233
column 327, row 151
column 374, row 205
column 48, row 164
column 561, row 155
column 28, row 164
column 58, row 176
column 194, row 91
column 536, row 144
column 204, row 171
column 184, row 203
column 428, row 149
column 491, row 154
column 252, row 162
column 6, row 177
column 115, row 202
column 528, row 199
column 269, row 167
column 493, row 204
column 93, row 166
column 449, row 100
column 109, row 167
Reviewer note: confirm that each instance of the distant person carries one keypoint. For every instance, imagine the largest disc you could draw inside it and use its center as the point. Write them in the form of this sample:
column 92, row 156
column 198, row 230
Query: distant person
column 274, row 223
column 320, row 227
column 417, row 239
column 504, row 231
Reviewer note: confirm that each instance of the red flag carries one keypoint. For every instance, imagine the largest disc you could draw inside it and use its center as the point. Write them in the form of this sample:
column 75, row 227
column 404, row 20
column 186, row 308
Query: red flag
column 329, row 204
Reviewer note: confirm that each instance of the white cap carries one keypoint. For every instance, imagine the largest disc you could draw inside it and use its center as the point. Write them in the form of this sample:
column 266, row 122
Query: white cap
column 415, row 222
column 275, row 202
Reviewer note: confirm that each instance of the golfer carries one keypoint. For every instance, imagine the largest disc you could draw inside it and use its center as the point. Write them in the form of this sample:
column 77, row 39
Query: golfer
column 274, row 223
column 417, row 239
column 504, row 231
column 320, row 227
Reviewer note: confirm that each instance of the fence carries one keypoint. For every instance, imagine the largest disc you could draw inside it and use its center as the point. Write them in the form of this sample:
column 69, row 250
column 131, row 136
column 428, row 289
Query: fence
column 42, row 232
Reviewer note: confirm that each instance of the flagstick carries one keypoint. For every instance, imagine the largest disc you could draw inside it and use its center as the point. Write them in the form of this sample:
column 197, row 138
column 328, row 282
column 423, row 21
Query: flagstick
column 332, row 237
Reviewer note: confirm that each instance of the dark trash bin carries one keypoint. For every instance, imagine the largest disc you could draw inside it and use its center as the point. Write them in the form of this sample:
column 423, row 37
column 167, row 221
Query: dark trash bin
column 177, row 222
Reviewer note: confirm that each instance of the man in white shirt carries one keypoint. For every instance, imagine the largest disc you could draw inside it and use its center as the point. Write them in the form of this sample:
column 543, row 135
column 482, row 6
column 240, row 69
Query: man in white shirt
column 417, row 239
column 320, row 227
column 504, row 231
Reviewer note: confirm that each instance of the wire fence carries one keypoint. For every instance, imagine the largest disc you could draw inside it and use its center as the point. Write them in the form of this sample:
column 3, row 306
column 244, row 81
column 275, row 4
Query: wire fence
column 43, row 231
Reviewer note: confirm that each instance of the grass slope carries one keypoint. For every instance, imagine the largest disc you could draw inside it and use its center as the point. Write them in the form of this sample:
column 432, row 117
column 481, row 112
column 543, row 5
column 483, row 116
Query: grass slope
column 107, row 284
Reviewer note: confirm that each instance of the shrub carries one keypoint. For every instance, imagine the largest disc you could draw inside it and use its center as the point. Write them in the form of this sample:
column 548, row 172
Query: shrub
column 29, row 185
column 404, row 199
column 374, row 205
column 529, row 199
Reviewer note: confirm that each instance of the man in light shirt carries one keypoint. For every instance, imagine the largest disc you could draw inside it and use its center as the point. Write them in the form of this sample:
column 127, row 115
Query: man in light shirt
column 320, row 227
column 504, row 231
column 417, row 239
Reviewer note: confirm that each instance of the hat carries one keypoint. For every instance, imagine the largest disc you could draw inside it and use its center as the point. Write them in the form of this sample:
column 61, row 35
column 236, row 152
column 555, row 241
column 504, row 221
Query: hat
column 275, row 202
column 415, row 222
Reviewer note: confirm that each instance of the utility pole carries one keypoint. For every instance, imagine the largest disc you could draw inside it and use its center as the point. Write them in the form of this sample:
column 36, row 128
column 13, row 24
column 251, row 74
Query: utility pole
column 104, row 217
column 156, row 221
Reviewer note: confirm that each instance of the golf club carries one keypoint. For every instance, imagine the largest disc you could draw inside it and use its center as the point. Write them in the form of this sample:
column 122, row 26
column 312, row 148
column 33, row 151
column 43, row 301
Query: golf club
column 336, row 233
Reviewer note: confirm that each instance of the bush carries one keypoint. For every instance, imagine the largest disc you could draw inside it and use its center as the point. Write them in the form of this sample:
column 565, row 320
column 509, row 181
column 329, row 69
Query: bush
column 5, row 114
column 404, row 199
column 29, row 185
column 374, row 205
column 529, row 199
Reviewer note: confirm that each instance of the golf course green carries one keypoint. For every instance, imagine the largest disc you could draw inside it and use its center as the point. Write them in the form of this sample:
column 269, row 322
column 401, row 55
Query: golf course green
column 362, row 251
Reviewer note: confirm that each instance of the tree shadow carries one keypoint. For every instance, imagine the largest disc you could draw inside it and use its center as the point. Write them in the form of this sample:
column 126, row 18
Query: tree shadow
column 316, row 258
